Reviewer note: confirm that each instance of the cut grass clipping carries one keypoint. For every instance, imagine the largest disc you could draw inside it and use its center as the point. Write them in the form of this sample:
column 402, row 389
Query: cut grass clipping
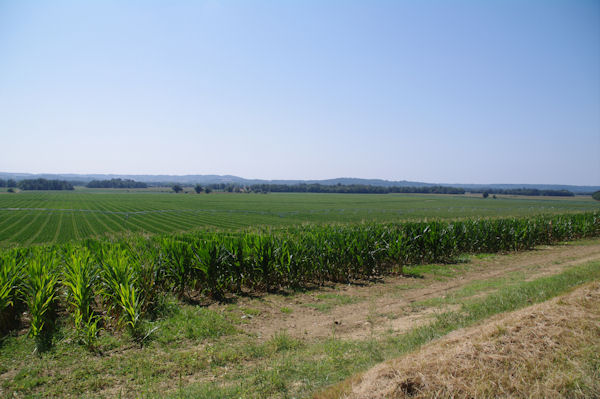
column 506, row 299
column 548, row 350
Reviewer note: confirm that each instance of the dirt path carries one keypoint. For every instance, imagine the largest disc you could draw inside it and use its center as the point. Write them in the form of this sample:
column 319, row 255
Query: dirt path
column 542, row 351
column 352, row 311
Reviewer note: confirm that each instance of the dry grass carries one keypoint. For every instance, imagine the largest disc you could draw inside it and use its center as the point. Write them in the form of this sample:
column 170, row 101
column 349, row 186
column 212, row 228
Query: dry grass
column 549, row 350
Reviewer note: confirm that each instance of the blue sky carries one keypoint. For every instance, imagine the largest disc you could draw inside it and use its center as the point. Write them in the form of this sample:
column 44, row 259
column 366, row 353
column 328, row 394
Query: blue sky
column 437, row 91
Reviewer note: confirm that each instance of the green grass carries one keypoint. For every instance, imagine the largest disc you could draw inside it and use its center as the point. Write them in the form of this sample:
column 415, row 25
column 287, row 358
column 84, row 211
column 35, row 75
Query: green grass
column 57, row 217
column 191, row 324
column 328, row 301
column 472, row 289
column 311, row 367
column 251, row 311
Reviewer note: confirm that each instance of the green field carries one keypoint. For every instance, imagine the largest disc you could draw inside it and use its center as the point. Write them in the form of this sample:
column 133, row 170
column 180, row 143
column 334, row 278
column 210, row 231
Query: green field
column 55, row 217
column 143, row 295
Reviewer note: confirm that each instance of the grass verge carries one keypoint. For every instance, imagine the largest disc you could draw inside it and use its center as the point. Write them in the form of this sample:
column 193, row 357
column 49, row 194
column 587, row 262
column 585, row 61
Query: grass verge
column 302, row 371
column 547, row 350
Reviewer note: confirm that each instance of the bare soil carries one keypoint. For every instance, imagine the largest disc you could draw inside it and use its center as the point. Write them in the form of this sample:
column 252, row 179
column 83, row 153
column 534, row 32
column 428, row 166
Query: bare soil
column 386, row 305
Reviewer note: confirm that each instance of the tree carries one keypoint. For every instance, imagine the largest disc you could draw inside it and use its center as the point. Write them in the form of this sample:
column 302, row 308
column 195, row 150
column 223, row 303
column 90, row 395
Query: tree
column 177, row 188
column 198, row 189
column 208, row 190
column 116, row 183
column 43, row 184
column 485, row 194
column 596, row 196
column 11, row 183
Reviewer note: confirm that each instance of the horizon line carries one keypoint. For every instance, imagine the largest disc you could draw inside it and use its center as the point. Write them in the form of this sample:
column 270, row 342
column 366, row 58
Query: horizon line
column 290, row 179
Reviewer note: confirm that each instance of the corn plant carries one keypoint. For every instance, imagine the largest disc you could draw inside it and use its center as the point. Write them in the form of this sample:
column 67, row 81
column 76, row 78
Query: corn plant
column 39, row 290
column 119, row 287
column 132, row 274
column 179, row 263
column 264, row 258
column 210, row 258
column 11, row 276
column 80, row 275
column 152, row 274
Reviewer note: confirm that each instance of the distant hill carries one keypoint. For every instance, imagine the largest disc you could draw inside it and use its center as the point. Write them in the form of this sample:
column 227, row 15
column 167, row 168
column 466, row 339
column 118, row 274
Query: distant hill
column 227, row 179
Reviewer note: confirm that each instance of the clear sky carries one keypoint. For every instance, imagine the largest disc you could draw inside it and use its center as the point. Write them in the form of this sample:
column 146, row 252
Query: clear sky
column 437, row 91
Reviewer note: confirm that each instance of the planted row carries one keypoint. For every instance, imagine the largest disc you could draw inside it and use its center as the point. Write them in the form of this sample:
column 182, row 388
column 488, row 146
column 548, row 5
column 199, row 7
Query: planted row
column 113, row 285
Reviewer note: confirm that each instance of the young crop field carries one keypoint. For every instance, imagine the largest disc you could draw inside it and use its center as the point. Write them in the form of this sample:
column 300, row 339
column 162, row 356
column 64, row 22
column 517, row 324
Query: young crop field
column 132, row 274
column 165, row 316
column 28, row 218
column 100, row 272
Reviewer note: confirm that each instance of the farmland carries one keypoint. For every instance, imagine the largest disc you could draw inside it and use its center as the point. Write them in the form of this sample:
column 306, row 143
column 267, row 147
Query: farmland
column 88, row 273
column 276, row 346
column 30, row 218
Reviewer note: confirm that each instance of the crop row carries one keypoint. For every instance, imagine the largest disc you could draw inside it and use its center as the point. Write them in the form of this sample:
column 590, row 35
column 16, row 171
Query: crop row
column 55, row 227
column 116, row 284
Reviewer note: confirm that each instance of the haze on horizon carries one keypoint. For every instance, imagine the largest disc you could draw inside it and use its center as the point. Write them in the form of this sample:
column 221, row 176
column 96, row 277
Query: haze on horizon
column 443, row 92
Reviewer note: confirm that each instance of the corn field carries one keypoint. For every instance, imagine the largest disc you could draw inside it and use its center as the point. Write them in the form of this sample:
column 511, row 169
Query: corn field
column 112, row 286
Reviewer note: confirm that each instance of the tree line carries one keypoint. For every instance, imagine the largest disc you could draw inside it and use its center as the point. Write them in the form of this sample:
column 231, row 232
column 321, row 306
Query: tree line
column 524, row 191
column 116, row 183
column 338, row 188
column 43, row 184
column 369, row 189
column 10, row 183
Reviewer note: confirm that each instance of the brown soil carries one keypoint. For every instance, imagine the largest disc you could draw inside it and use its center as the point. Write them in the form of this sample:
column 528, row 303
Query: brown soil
column 541, row 351
column 386, row 305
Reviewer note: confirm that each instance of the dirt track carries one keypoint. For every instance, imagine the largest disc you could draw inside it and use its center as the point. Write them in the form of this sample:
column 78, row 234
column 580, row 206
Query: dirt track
column 386, row 305
column 536, row 352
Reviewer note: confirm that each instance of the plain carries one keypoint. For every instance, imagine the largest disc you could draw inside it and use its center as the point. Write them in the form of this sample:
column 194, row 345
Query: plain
column 52, row 217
